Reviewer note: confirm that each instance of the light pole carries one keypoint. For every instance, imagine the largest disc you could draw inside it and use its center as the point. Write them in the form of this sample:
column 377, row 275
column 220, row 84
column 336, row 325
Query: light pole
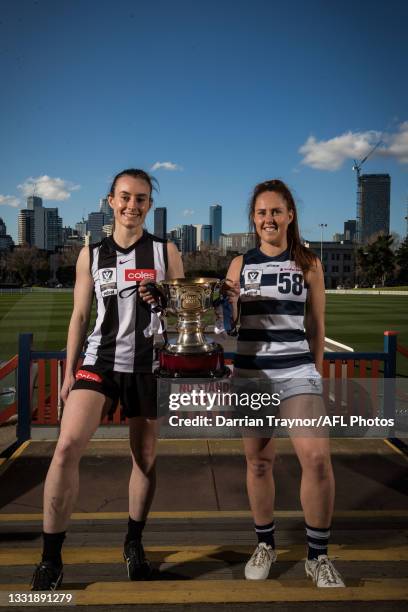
column 321, row 225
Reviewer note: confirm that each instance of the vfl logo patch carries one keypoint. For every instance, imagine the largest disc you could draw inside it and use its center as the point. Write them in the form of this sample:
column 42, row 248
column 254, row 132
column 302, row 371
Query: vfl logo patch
column 137, row 275
column 252, row 280
column 107, row 280
column 253, row 275
column 107, row 275
column 85, row 375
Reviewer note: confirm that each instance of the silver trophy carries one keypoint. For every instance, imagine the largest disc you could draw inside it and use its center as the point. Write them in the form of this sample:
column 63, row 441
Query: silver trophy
column 192, row 354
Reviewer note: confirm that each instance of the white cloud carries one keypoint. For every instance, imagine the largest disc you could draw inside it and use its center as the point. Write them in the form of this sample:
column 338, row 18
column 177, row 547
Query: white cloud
column 9, row 200
column 187, row 212
column 398, row 144
column 331, row 154
column 48, row 188
column 165, row 166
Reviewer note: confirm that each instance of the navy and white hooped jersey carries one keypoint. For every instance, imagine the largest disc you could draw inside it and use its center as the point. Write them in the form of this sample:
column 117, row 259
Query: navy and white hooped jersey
column 272, row 336
column 119, row 340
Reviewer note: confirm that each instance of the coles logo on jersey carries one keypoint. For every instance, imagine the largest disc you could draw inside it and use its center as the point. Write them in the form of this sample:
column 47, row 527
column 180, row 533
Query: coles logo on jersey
column 140, row 274
column 85, row 375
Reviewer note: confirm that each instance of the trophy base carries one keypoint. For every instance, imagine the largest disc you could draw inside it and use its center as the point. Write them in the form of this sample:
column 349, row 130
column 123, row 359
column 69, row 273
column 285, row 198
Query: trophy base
column 192, row 365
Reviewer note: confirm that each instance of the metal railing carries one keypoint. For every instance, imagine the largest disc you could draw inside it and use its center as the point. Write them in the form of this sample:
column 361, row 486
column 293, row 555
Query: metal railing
column 43, row 406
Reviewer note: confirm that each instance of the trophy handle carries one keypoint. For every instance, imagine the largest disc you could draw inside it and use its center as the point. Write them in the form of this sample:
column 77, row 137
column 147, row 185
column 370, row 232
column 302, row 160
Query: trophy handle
column 218, row 287
column 158, row 294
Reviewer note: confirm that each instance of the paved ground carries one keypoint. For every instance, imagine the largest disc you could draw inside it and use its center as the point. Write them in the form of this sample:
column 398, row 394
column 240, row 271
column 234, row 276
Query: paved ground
column 199, row 534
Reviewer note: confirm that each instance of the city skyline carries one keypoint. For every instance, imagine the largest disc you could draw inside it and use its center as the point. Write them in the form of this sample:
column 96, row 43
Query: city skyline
column 375, row 219
column 220, row 101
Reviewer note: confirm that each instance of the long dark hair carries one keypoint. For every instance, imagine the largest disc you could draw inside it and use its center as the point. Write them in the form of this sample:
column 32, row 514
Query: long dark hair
column 138, row 174
column 303, row 257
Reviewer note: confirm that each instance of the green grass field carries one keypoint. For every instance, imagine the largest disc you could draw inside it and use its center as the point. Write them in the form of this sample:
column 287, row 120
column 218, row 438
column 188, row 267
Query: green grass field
column 356, row 320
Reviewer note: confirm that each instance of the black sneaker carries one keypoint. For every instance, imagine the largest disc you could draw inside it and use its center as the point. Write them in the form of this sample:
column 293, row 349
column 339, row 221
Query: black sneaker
column 46, row 577
column 138, row 567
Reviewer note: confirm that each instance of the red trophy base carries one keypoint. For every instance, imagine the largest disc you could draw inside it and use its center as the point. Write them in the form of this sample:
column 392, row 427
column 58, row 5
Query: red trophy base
column 192, row 365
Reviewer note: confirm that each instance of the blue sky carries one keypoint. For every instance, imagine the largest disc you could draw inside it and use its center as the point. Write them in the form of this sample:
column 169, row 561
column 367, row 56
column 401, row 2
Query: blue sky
column 228, row 92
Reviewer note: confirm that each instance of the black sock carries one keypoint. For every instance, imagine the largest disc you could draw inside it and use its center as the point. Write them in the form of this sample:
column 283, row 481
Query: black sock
column 317, row 541
column 135, row 530
column 52, row 546
column 265, row 533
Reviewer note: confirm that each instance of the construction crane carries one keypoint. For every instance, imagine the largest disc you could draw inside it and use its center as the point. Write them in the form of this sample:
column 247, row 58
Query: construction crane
column 357, row 169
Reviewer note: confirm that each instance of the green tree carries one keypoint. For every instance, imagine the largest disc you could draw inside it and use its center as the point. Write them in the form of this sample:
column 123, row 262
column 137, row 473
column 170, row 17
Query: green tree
column 28, row 264
column 376, row 261
column 402, row 261
column 66, row 265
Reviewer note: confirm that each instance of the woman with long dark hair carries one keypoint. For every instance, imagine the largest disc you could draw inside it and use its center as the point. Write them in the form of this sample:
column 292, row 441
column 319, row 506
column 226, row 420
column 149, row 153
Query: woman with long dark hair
column 280, row 286
column 117, row 366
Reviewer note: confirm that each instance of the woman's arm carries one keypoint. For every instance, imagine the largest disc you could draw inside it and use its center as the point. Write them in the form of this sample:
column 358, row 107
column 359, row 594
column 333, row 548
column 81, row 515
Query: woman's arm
column 315, row 310
column 232, row 286
column 78, row 326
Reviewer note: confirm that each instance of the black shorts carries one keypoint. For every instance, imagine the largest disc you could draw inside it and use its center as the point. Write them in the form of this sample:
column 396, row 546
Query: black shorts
column 137, row 391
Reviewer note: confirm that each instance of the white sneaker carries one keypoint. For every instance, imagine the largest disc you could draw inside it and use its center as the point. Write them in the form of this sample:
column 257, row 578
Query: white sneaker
column 260, row 563
column 323, row 573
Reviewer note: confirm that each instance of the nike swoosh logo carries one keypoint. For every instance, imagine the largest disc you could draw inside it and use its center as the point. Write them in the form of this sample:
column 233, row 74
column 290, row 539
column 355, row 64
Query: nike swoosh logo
column 123, row 261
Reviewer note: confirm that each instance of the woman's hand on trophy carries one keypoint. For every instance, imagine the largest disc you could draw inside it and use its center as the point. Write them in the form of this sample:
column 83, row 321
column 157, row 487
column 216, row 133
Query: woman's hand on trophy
column 231, row 289
column 145, row 292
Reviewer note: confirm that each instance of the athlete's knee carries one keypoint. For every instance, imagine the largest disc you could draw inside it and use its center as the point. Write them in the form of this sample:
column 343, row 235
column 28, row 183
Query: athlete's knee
column 144, row 459
column 259, row 466
column 68, row 452
column 319, row 463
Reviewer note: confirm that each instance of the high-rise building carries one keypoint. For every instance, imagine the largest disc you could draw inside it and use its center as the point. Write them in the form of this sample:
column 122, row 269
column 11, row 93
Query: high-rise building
column 96, row 221
column 216, row 222
column 47, row 228
column 350, row 230
column 203, row 233
column 81, row 227
column 373, row 206
column 206, row 234
column 106, row 210
column 160, row 222
column 34, row 202
column 26, row 227
column 175, row 236
column 188, row 239
column 6, row 241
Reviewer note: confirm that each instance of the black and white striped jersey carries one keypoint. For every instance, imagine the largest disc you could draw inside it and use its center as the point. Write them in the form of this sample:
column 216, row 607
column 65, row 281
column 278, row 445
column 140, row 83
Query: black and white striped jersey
column 272, row 335
column 120, row 340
